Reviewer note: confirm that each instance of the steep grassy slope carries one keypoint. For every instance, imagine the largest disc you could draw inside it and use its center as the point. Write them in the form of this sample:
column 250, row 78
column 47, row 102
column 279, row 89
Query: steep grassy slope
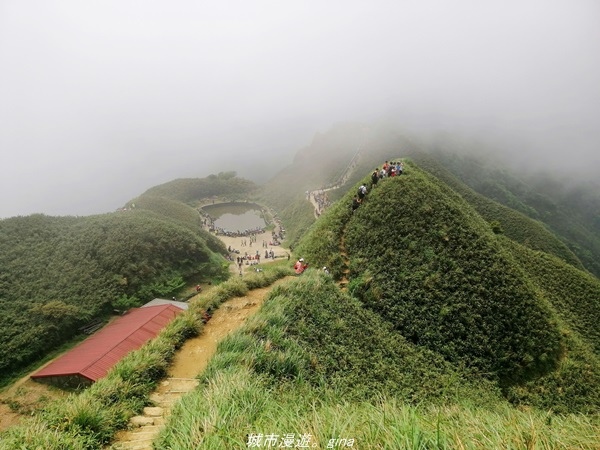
column 314, row 365
column 570, row 207
column 574, row 297
column 60, row 272
column 424, row 260
column 574, row 294
column 513, row 224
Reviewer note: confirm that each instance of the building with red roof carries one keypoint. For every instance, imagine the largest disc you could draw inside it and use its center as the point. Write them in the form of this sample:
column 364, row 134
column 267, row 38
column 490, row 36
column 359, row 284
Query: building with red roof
column 94, row 357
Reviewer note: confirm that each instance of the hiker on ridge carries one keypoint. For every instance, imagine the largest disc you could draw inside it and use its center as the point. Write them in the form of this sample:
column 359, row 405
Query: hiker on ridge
column 374, row 177
column 362, row 191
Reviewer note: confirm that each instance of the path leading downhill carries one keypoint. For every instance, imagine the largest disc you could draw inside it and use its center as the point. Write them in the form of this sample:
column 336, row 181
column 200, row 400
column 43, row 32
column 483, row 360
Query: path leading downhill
column 343, row 283
column 341, row 181
column 190, row 360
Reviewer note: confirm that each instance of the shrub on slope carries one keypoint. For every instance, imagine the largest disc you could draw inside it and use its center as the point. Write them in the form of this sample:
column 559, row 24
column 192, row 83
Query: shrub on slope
column 182, row 213
column 314, row 362
column 425, row 261
column 309, row 330
column 574, row 294
column 58, row 273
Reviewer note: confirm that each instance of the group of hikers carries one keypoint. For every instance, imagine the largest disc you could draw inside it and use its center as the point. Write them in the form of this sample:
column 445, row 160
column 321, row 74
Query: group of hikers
column 219, row 231
column 389, row 169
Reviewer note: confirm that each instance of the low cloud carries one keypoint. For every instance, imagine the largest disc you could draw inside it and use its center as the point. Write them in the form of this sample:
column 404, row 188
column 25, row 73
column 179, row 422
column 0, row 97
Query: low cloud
column 101, row 100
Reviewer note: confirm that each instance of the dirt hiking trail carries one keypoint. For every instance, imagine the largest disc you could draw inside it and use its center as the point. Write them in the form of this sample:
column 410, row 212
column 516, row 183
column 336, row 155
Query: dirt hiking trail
column 190, row 360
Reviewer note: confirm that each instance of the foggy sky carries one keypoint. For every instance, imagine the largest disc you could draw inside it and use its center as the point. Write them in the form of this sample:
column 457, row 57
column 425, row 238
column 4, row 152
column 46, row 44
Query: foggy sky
column 100, row 100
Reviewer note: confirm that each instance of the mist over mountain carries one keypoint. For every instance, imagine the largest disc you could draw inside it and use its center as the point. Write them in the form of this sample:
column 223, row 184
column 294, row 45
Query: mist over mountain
column 102, row 100
column 461, row 297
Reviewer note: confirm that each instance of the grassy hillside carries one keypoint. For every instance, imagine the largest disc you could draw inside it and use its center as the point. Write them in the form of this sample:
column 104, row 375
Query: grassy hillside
column 422, row 258
column 314, row 365
column 60, row 272
column 180, row 213
column 568, row 206
column 90, row 418
column 574, row 294
column 465, row 324
column 512, row 223
column 574, row 297
column 190, row 190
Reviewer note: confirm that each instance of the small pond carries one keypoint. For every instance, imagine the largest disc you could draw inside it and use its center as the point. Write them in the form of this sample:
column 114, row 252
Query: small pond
column 236, row 217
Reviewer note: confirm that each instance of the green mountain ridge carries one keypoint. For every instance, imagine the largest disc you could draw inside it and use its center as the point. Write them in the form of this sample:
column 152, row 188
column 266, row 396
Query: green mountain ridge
column 457, row 307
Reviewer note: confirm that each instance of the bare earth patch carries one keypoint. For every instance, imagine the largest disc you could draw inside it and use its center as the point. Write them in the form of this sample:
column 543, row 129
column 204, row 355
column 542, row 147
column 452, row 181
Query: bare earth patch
column 24, row 397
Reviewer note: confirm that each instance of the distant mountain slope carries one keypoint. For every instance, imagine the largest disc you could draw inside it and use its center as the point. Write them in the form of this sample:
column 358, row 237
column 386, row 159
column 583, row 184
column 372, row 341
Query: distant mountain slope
column 421, row 257
column 513, row 224
column 181, row 213
column 60, row 272
column 314, row 166
column 568, row 206
column 191, row 190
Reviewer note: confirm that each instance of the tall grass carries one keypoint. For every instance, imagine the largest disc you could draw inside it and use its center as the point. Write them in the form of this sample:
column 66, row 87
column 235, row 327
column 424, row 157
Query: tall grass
column 239, row 399
column 89, row 420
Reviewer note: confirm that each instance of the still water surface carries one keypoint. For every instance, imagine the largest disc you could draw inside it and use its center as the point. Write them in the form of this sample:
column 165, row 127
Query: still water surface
column 236, row 216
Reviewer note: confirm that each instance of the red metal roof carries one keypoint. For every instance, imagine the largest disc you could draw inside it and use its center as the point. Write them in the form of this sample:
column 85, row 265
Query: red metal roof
column 94, row 357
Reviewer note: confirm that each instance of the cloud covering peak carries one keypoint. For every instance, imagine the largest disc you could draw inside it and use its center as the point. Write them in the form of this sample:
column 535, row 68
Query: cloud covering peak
column 101, row 100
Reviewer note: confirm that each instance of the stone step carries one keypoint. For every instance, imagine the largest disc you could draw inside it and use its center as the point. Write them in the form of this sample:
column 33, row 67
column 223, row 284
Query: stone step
column 136, row 446
column 151, row 430
column 140, row 421
column 160, row 421
column 153, row 411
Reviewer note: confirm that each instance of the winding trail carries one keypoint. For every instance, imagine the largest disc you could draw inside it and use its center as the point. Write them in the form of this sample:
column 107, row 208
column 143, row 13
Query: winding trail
column 190, row 361
column 342, row 180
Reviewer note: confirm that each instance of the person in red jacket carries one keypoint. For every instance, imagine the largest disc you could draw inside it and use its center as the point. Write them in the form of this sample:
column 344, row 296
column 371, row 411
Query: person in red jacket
column 300, row 266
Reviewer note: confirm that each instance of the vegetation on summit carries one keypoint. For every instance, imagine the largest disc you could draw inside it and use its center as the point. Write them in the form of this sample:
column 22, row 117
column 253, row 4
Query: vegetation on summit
column 314, row 362
column 191, row 190
column 423, row 259
column 458, row 309
column 58, row 273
